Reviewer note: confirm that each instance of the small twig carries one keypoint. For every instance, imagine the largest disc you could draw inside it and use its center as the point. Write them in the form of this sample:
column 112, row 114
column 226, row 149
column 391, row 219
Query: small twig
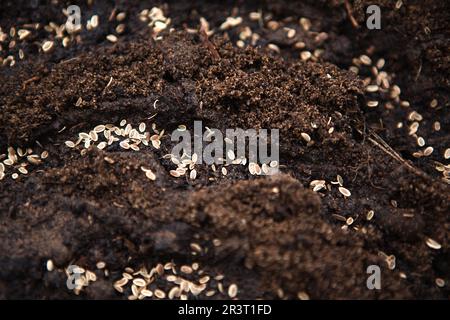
column 349, row 10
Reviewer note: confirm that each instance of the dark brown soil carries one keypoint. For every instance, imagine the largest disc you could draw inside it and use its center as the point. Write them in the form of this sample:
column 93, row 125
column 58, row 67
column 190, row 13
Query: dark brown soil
column 278, row 237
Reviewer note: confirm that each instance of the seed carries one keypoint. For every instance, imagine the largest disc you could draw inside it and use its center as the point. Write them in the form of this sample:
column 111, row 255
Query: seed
column 121, row 282
column 372, row 88
column 440, row 282
column 174, row 173
column 111, row 38
column 186, row 269
column 305, row 23
column 146, row 293
column 124, row 144
column 100, row 265
column 232, row 290
column 291, row 33
column 340, row 180
column 123, row 122
column 193, row 174
column 181, row 127
column 345, row 191
column 160, row 294
column 142, row 127
column 420, row 141
column 349, row 221
column 44, row 154
column 303, row 295
column 204, row 280
column 118, row 288
column 365, row 60
column 433, row 244
column 94, row 21
column 47, row 46
column 433, row 103
column 273, row 164
column 50, row 265
column 174, row 292
column 149, row 174
column 196, row 247
column 121, row 16
column 447, row 153
column 139, row 282
column 428, row 151
column 380, row 63
column 22, row 33
column 372, row 104
column 306, row 137
column 23, row 170
column 70, row 144
column 210, row 293
column 370, row 215
column 305, row 55
column 102, row 145
column 231, row 155
column 14, row 176
column 224, row 171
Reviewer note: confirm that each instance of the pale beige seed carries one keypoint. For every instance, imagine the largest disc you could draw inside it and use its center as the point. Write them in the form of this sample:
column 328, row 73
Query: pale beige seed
column 420, row 141
column 174, row 292
column 196, row 247
column 102, row 145
column 142, row 127
column 306, row 137
column 139, row 282
column 186, row 269
column 50, row 265
column 340, row 180
column 193, row 174
column 111, row 38
column 433, row 244
column 150, row 175
column 370, row 215
column 433, row 103
column 349, row 221
column 447, row 153
column 146, row 293
column 174, row 173
column 23, row 170
column 70, row 144
column 273, row 164
column 440, row 282
column 224, row 171
column 302, row 295
column 428, row 151
column 210, row 293
column 44, row 154
column 100, row 265
column 372, row 88
column 305, row 55
column 380, row 63
column 231, row 155
column 291, row 33
column 204, row 279
column 121, row 282
column 345, row 191
column 159, row 294
column 23, row 34
column 47, row 46
column 181, row 127
column 94, row 21
column 372, row 104
column 232, row 290
column 365, row 60
column 118, row 288
column 121, row 16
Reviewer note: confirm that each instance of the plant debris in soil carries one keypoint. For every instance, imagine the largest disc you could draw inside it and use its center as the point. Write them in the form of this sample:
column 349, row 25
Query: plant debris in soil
column 90, row 192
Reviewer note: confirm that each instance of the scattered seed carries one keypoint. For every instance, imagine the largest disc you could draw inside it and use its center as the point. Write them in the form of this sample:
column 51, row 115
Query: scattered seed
column 440, row 282
column 47, row 46
column 70, row 144
column 160, row 294
column 50, row 265
column 345, row 192
column 232, row 290
column 186, row 269
column 306, row 137
column 111, row 38
column 372, row 88
column 303, row 295
column 370, row 215
column 428, row 151
column 447, row 153
column 433, row 244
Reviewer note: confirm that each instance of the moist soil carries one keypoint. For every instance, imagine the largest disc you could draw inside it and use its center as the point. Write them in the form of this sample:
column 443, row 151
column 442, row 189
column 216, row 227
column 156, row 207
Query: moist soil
column 273, row 236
